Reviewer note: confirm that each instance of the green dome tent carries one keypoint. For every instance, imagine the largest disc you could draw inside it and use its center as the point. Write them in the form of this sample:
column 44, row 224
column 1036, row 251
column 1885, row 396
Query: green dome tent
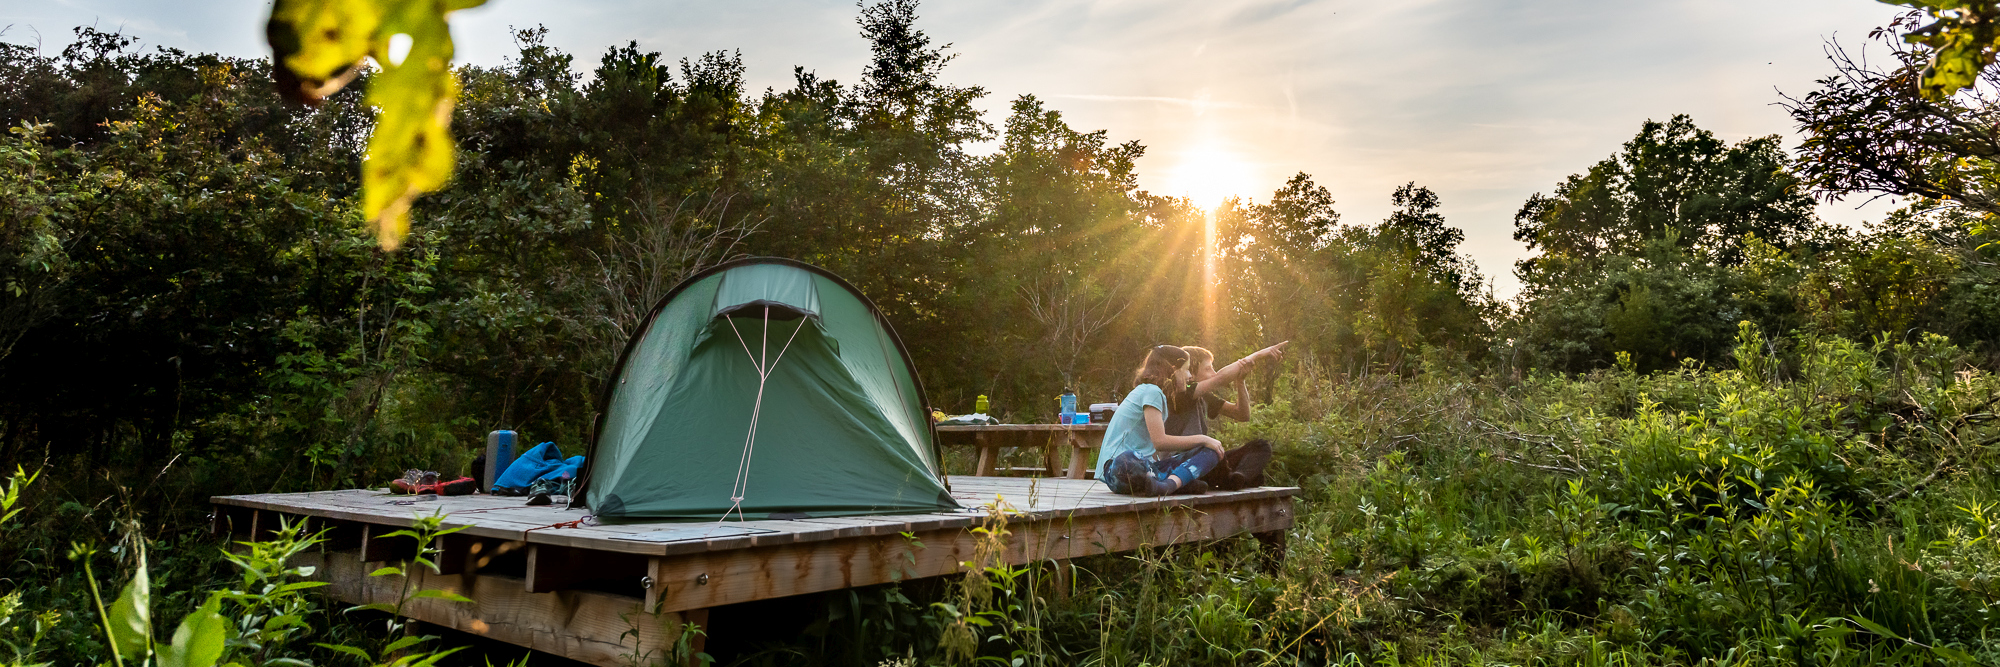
column 764, row 387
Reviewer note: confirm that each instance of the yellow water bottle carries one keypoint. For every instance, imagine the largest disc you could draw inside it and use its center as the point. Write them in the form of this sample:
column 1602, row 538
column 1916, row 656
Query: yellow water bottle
column 980, row 405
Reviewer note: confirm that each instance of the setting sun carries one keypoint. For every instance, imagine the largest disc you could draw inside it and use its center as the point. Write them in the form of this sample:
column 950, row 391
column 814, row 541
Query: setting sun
column 1207, row 174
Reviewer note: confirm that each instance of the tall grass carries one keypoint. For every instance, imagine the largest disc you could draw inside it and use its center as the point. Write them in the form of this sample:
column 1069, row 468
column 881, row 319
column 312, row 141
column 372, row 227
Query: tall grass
column 1825, row 502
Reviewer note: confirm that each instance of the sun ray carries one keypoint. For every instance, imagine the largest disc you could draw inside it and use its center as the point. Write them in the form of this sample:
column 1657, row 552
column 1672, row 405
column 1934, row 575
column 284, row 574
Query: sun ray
column 1207, row 175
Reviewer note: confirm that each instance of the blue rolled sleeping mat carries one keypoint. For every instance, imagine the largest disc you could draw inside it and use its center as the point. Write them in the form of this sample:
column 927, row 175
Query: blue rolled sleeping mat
column 543, row 462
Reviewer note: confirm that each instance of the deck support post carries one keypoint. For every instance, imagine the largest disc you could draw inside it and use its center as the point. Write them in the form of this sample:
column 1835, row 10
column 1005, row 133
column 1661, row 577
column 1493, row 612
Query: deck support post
column 699, row 642
column 263, row 524
column 588, row 626
column 453, row 553
column 549, row 568
column 375, row 548
column 1063, row 577
column 1271, row 550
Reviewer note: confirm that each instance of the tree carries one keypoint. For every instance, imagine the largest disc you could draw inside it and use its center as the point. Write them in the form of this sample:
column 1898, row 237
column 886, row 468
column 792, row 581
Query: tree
column 1963, row 37
column 34, row 258
column 1671, row 179
column 1059, row 231
column 1283, row 259
column 1418, row 230
column 1299, row 218
column 1875, row 130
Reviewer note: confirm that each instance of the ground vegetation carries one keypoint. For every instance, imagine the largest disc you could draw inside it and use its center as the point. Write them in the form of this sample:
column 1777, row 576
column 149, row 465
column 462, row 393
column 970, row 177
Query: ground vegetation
column 1712, row 429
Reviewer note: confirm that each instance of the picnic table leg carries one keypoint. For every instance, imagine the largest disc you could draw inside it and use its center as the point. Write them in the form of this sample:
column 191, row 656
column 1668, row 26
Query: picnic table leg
column 1078, row 469
column 1049, row 464
column 986, row 456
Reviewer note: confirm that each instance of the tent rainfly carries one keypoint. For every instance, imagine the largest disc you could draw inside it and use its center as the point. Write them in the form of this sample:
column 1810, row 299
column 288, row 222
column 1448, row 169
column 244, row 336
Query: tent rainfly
column 764, row 388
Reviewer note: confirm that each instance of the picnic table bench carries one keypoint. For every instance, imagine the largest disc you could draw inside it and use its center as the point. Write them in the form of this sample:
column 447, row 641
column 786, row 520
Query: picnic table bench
column 1079, row 439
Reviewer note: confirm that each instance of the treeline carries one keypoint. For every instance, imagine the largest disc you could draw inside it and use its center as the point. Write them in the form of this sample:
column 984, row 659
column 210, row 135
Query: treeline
column 187, row 285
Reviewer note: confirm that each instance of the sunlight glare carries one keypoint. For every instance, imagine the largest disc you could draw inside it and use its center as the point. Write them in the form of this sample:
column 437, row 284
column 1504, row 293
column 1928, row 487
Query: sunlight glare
column 1207, row 174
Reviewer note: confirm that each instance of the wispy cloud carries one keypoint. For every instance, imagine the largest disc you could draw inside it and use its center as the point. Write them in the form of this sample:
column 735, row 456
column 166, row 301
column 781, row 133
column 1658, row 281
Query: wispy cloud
column 1484, row 102
column 1196, row 102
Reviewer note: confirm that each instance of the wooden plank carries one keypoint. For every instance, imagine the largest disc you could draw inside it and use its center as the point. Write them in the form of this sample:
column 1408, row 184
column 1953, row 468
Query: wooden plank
column 1038, row 497
column 589, row 626
column 1020, row 428
column 711, row 579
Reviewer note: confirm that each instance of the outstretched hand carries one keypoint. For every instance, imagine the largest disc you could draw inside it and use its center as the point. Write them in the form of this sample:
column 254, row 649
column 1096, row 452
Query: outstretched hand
column 1274, row 353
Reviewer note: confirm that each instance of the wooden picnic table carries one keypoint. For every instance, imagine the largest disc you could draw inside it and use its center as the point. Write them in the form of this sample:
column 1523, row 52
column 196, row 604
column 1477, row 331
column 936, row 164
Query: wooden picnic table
column 1079, row 439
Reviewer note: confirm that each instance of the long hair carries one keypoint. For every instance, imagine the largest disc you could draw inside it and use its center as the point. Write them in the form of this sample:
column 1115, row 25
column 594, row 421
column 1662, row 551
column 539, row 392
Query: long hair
column 1158, row 370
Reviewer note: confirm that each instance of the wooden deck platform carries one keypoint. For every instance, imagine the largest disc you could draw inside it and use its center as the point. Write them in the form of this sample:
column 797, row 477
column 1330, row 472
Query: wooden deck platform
column 603, row 594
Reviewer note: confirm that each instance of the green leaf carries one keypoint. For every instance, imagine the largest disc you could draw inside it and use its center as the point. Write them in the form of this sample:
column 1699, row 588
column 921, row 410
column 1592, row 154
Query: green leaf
column 433, row 658
column 298, row 586
column 387, row 571
column 1963, row 40
column 131, row 625
column 1874, row 627
column 378, row 606
column 411, row 151
column 342, row 648
column 403, row 643
column 320, row 44
column 281, row 622
column 439, row 594
column 199, row 640
column 1952, row 654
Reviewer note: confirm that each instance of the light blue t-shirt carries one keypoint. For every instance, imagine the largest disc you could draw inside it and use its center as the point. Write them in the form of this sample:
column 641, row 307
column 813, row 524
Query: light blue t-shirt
column 1127, row 430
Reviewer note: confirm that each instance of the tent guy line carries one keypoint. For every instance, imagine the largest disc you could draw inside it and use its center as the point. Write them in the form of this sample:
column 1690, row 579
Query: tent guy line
column 742, row 487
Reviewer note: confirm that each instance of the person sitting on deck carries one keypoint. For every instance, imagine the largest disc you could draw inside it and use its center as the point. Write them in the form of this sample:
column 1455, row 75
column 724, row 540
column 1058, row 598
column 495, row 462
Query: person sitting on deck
column 1138, row 458
column 1196, row 403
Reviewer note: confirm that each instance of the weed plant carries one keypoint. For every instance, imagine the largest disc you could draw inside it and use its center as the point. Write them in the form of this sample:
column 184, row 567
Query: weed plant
column 1824, row 502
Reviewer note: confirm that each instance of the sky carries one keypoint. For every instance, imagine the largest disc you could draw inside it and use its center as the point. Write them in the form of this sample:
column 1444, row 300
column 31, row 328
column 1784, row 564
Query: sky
column 1485, row 102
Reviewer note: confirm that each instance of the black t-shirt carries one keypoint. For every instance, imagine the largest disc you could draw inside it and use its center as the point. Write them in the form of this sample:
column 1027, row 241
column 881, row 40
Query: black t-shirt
column 1188, row 413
